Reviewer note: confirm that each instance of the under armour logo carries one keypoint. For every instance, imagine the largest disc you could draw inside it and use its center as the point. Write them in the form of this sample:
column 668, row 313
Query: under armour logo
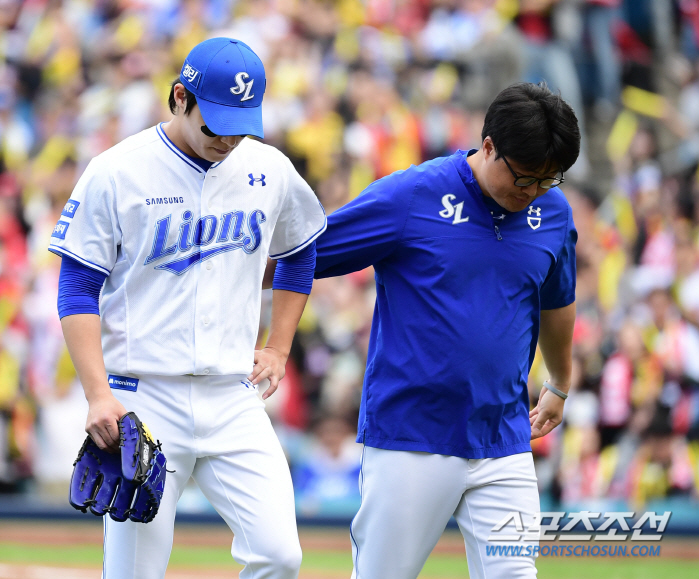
column 253, row 180
column 534, row 222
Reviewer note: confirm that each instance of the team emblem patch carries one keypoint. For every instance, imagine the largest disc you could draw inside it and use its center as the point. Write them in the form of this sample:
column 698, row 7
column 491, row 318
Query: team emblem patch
column 60, row 229
column 451, row 210
column 70, row 208
column 253, row 180
column 122, row 383
column 243, row 87
column 191, row 74
column 534, row 217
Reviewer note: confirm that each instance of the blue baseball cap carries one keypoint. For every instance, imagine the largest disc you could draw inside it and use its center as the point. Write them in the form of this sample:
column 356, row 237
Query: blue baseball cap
column 228, row 79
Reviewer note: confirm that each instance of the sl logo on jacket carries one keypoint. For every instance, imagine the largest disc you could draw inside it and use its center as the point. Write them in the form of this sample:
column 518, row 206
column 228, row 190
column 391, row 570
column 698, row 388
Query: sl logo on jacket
column 227, row 231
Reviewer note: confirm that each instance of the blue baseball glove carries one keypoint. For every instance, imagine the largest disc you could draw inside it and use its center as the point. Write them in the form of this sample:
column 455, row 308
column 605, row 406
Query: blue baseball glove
column 128, row 484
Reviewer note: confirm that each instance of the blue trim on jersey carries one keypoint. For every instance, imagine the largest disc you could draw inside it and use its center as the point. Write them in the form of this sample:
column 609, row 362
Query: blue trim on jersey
column 198, row 161
column 170, row 145
column 361, row 497
column 61, row 251
column 305, row 243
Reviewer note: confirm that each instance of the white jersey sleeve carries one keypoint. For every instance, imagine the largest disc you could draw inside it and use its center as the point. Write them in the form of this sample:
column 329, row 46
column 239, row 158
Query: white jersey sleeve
column 88, row 229
column 301, row 220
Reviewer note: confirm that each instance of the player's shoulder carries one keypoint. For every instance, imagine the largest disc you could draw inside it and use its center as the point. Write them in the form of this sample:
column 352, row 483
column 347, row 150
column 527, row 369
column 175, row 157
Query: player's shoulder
column 556, row 203
column 427, row 172
column 124, row 153
column 262, row 152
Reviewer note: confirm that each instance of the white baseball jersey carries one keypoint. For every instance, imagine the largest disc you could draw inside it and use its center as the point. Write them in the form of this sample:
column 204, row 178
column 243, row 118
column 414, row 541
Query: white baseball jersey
column 185, row 249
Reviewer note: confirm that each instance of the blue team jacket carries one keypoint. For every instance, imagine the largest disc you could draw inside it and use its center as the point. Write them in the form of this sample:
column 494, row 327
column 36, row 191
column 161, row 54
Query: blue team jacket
column 460, row 283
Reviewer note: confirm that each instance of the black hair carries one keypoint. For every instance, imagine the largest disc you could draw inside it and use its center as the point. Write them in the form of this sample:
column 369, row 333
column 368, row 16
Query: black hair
column 189, row 97
column 534, row 127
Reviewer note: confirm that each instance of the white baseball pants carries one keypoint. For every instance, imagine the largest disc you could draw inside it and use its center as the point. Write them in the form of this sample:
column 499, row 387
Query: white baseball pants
column 216, row 430
column 409, row 497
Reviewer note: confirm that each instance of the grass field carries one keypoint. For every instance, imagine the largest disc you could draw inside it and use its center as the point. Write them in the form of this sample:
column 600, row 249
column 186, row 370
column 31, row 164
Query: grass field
column 43, row 550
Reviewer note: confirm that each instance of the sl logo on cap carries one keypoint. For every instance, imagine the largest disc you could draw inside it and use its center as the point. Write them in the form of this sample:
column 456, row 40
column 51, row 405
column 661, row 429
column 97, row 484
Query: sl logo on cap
column 241, row 86
column 191, row 74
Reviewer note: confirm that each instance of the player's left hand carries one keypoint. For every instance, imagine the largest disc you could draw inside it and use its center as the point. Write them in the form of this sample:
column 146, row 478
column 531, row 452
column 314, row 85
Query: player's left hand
column 547, row 414
column 269, row 363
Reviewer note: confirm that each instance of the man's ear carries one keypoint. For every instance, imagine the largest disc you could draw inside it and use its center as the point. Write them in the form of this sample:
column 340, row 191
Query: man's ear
column 180, row 97
column 488, row 147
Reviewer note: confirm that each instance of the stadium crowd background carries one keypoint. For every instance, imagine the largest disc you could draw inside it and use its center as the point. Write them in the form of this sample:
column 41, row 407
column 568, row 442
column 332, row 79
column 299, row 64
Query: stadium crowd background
column 358, row 89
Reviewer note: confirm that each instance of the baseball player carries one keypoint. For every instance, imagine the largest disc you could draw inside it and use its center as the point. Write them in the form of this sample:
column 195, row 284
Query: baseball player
column 173, row 226
column 474, row 259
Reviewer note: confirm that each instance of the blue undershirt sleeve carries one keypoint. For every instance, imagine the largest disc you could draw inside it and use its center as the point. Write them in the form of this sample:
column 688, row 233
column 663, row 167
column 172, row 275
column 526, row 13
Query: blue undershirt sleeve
column 295, row 273
column 79, row 288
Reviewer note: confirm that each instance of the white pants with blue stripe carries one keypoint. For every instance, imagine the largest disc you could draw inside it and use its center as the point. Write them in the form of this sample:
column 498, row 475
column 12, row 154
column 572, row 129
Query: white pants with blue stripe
column 409, row 497
column 214, row 429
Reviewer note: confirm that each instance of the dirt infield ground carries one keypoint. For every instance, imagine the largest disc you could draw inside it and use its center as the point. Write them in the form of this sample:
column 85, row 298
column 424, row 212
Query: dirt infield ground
column 72, row 550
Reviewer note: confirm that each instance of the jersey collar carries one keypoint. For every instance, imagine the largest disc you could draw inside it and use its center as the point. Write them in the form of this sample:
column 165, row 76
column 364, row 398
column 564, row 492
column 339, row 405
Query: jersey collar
column 472, row 186
column 199, row 165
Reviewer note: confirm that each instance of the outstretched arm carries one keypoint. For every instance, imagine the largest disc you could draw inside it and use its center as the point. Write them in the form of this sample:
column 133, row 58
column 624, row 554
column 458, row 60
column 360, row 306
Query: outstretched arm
column 556, row 343
column 367, row 229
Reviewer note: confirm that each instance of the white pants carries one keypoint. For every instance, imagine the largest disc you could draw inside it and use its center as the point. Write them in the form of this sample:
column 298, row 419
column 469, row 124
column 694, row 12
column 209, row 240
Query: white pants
column 409, row 497
column 214, row 429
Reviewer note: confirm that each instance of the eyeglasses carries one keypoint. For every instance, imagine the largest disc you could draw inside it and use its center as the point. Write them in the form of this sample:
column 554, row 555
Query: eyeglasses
column 525, row 181
column 207, row 131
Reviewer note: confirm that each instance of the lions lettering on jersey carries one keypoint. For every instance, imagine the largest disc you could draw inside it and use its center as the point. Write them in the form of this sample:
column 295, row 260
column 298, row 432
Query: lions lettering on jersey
column 230, row 237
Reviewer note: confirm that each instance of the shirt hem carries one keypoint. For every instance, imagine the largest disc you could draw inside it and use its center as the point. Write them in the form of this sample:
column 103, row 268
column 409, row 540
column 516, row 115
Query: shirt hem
column 61, row 251
column 448, row 450
column 139, row 374
column 558, row 305
column 298, row 248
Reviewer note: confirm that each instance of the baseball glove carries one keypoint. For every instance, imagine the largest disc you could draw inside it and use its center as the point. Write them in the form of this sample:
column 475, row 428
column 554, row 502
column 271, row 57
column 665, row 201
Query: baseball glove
column 128, row 484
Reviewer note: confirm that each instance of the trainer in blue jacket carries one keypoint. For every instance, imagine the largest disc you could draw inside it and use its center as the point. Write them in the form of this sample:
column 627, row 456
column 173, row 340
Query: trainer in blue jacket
column 474, row 257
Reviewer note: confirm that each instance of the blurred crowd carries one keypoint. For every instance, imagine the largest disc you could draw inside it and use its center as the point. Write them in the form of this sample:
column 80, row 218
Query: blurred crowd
column 356, row 90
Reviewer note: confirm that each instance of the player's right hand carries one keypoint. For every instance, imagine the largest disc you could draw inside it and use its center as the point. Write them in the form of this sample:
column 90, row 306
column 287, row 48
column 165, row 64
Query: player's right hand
column 102, row 419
